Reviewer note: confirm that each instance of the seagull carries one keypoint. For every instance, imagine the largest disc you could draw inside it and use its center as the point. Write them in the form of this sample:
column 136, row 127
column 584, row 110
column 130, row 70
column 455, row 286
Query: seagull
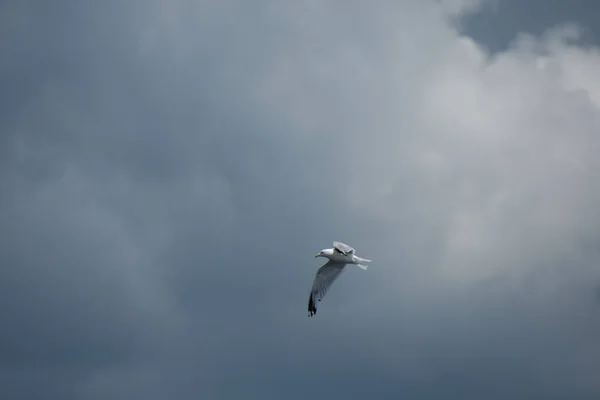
column 339, row 256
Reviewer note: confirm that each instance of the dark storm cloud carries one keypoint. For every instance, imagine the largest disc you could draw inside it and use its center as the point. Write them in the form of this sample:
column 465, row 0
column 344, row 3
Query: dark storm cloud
column 500, row 21
column 168, row 171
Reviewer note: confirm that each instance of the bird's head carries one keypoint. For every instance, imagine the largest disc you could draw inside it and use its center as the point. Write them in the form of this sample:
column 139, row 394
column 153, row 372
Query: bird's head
column 325, row 253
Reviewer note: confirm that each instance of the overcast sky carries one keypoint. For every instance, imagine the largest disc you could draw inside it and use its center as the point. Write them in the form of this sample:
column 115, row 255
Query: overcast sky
column 169, row 169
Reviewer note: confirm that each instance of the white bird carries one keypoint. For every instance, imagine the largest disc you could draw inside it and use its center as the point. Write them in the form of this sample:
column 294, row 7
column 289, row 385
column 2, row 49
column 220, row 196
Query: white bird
column 339, row 256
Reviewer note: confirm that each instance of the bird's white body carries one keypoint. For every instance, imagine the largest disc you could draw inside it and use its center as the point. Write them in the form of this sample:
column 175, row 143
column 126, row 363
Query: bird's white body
column 348, row 258
column 339, row 256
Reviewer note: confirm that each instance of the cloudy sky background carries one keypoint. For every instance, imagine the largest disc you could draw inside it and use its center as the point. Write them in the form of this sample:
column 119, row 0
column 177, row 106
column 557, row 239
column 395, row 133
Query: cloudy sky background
column 169, row 169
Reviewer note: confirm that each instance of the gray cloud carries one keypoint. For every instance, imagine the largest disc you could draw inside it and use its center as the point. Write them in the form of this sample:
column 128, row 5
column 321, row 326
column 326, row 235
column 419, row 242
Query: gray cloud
column 168, row 171
column 501, row 20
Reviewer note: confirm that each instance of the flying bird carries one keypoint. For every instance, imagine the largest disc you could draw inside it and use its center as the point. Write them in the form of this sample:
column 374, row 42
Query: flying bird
column 339, row 256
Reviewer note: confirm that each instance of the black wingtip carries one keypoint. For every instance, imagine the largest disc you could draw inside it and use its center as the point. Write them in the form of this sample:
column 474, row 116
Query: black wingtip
column 312, row 310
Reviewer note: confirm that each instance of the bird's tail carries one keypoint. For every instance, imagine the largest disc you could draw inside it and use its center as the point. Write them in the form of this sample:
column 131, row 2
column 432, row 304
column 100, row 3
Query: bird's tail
column 362, row 262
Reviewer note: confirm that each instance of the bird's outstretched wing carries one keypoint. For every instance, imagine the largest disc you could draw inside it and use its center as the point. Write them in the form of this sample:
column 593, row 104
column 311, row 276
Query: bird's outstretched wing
column 323, row 280
column 342, row 248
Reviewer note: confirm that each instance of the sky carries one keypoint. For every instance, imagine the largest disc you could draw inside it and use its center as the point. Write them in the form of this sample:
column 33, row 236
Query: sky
column 168, row 170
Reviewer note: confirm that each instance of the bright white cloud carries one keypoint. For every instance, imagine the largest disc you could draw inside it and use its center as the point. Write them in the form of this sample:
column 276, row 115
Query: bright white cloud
column 494, row 151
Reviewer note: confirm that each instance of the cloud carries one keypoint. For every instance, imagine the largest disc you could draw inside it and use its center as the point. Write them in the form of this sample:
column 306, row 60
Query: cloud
column 168, row 169
column 461, row 7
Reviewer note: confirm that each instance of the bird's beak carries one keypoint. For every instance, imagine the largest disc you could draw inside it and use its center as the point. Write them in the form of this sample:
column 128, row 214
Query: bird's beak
column 317, row 255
